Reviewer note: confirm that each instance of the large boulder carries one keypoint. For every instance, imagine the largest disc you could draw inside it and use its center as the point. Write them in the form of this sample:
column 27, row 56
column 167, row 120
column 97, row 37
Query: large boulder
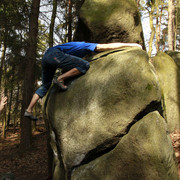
column 169, row 76
column 105, row 21
column 175, row 55
column 93, row 117
column 145, row 153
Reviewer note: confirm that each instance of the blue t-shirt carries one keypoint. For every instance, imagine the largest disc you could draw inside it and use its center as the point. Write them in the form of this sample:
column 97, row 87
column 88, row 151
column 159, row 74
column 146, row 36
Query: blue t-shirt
column 79, row 49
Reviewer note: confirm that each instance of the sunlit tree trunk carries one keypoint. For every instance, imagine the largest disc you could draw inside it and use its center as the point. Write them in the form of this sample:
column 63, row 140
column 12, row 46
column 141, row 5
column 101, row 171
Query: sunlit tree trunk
column 51, row 29
column 2, row 61
column 171, row 24
column 158, row 25
column 152, row 29
column 177, row 24
column 162, row 43
column 29, row 79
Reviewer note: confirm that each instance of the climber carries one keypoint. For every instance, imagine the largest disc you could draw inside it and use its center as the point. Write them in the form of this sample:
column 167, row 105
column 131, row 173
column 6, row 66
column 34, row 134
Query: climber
column 68, row 57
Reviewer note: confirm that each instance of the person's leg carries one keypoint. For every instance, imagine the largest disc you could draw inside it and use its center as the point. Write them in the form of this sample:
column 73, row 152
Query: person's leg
column 48, row 71
column 60, row 80
column 73, row 66
column 34, row 100
column 28, row 112
column 47, row 76
column 71, row 73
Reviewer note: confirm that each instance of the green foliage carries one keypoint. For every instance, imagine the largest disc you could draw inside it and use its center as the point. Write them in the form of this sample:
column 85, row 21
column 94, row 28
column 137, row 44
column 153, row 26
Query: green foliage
column 14, row 18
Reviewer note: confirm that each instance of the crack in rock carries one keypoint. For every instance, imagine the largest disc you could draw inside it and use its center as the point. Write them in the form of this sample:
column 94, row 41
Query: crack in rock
column 111, row 143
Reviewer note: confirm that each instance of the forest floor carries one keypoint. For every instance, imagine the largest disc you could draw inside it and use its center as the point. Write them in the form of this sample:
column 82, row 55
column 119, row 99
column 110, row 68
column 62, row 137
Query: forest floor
column 32, row 164
column 29, row 165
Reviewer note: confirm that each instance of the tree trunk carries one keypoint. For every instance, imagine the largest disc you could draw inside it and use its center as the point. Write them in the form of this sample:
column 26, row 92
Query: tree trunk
column 53, row 17
column 16, row 107
column 171, row 25
column 29, row 79
column 157, row 25
column 4, row 111
column 9, row 109
column 11, row 97
column 2, row 62
column 152, row 29
column 4, row 43
column 69, row 21
column 177, row 25
column 164, row 41
column 4, row 128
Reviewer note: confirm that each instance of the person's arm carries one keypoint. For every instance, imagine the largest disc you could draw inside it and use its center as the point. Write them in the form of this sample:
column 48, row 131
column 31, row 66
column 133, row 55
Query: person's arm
column 3, row 102
column 112, row 46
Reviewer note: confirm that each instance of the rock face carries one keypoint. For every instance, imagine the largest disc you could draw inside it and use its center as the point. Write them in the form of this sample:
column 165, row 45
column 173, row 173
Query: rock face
column 106, row 126
column 169, row 76
column 141, row 154
column 175, row 55
column 105, row 21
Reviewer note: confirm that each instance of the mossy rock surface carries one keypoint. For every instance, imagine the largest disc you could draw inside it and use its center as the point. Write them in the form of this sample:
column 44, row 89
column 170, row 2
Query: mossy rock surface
column 168, row 72
column 100, row 107
column 175, row 55
column 145, row 153
column 105, row 21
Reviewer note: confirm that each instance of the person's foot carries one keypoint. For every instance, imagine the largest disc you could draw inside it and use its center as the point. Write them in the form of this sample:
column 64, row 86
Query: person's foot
column 60, row 84
column 30, row 116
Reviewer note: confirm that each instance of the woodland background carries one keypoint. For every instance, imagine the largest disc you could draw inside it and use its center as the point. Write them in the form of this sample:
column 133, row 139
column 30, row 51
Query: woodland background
column 29, row 27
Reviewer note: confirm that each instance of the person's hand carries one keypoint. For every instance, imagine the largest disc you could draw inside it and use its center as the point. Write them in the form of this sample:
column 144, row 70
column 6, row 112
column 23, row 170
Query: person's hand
column 3, row 102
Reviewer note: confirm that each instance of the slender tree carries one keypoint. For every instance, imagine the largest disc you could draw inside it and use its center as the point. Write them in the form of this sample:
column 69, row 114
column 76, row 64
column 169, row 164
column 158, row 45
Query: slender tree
column 15, row 111
column 171, row 24
column 29, row 79
column 53, row 17
column 4, row 46
column 177, row 26
column 69, row 20
column 152, row 3
column 158, row 25
column 3, row 38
